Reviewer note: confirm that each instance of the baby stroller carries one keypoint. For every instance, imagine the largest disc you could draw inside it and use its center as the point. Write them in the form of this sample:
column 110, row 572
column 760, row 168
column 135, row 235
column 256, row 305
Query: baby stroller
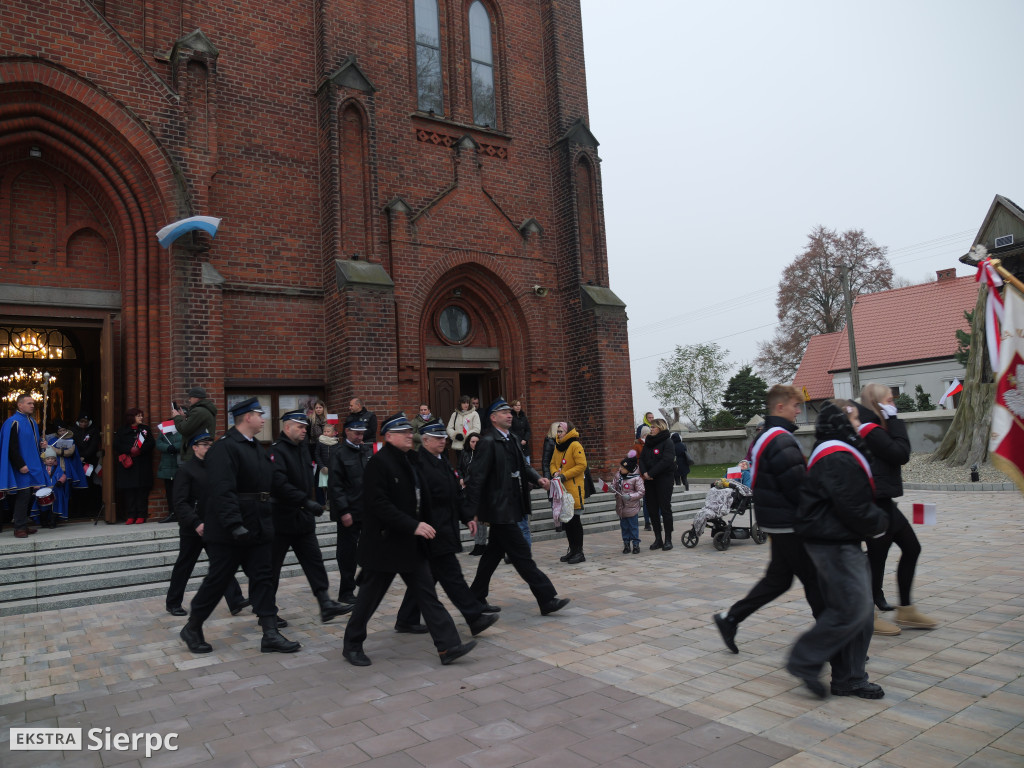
column 728, row 496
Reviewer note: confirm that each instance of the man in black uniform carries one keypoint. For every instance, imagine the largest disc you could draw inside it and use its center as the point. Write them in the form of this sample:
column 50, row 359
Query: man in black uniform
column 445, row 513
column 499, row 493
column 394, row 527
column 295, row 510
column 239, row 529
column 345, row 492
column 189, row 493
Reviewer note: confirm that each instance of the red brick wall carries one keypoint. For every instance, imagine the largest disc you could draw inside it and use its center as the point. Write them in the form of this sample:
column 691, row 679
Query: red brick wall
column 301, row 170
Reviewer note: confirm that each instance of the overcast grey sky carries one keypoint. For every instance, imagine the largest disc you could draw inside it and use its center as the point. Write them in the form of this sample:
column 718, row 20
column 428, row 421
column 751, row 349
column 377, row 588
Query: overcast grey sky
column 729, row 130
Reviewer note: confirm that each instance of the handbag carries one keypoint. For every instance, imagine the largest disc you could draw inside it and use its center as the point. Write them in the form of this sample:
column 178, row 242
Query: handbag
column 562, row 505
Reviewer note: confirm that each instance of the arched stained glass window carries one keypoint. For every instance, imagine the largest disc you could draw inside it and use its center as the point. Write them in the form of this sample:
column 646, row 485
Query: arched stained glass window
column 429, row 85
column 482, row 60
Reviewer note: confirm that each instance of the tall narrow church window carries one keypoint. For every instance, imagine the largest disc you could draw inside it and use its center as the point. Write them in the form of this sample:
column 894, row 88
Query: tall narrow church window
column 482, row 60
column 429, row 84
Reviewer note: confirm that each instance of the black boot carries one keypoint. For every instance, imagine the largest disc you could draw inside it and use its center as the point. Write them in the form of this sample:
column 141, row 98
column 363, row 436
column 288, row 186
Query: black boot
column 330, row 609
column 668, row 541
column 192, row 634
column 273, row 641
column 658, row 543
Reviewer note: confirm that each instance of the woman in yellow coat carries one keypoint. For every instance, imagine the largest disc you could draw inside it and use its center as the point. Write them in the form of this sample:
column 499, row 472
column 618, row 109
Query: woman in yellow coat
column 568, row 463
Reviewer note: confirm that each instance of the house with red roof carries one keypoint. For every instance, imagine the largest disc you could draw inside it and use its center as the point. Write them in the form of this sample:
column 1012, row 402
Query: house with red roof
column 904, row 337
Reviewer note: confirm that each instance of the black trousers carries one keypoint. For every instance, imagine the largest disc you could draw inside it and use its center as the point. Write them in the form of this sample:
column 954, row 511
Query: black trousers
column 507, row 539
column 789, row 559
column 658, row 495
column 348, row 541
column 901, row 533
column 22, row 504
column 135, row 503
column 256, row 562
column 169, row 495
column 447, row 572
column 189, row 549
column 307, row 551
column 375, row 584
column 574, row 532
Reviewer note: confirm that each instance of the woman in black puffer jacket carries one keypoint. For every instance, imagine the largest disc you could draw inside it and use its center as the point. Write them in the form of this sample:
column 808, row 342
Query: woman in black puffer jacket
column 658, row 468
column 886, row 438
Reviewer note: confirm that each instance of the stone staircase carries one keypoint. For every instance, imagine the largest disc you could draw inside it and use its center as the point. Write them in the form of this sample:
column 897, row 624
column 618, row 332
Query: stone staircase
column 83, row 564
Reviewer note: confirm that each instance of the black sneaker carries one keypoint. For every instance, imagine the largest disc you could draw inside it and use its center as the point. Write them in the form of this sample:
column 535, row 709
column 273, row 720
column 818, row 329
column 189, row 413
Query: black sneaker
column 863, row 691
column 728, row 629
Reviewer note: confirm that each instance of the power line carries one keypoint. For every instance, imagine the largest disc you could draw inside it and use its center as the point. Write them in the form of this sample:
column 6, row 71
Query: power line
column 706, row 341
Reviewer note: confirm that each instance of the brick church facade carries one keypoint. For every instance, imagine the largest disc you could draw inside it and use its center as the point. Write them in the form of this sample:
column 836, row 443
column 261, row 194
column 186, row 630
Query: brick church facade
column 410, row 199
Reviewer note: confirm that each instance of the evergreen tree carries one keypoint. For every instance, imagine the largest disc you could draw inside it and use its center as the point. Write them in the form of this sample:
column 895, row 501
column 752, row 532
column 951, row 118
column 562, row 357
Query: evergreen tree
column 924, row 400
column 745, row 395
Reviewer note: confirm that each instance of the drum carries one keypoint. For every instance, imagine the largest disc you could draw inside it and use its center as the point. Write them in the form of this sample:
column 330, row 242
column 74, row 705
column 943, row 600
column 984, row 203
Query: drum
column 44, row 497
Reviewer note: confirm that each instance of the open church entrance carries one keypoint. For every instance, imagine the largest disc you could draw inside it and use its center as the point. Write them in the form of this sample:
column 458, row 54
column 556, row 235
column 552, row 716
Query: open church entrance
column 70, row 352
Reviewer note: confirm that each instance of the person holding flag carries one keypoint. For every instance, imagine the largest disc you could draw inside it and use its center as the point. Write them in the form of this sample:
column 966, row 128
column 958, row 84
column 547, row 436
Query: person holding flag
column 133, row 445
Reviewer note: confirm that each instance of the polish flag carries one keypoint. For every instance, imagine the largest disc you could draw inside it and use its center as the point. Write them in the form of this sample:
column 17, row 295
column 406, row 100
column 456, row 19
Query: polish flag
column 1006, row 444
column 955, row 388
column 140, row 440
column 924, row 514
column 734, row 473
column 332, row 418
column 88, row 469
column 168, row 428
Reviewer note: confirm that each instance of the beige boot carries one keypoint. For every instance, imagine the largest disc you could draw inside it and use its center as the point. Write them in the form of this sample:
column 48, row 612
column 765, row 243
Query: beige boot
column 883, row 627
column 908, row 616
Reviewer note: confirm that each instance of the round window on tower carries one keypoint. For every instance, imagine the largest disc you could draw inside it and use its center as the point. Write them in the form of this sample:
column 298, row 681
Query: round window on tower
column 454, row 324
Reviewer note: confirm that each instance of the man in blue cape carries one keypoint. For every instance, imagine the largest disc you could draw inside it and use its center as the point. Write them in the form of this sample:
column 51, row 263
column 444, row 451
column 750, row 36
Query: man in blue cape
column 21, row 468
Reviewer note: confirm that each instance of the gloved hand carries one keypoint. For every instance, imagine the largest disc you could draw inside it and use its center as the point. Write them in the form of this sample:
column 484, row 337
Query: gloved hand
column 126, row 460
column 171, row 450
column 242, row 535
column 312, row 506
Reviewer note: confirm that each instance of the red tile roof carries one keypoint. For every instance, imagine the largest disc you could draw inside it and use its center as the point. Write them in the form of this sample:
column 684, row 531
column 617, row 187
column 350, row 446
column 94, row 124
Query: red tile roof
column 907, row 324
column 813, row 371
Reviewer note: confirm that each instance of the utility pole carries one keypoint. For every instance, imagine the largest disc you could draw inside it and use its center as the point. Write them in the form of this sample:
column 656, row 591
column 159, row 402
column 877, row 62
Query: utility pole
column 854, row 373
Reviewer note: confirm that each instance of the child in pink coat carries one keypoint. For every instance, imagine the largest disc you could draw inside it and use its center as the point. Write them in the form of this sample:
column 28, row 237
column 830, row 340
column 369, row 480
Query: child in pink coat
column 629, row 495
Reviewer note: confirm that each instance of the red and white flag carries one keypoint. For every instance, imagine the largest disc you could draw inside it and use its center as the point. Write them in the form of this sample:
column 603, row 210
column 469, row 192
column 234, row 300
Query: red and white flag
column 734, row 473
column 88, row 469
column 1006, row 445
column 167, row 427
column 955, row 388
column 923, row 514
column 140, row 440
column 988, row 275
column 332, row 418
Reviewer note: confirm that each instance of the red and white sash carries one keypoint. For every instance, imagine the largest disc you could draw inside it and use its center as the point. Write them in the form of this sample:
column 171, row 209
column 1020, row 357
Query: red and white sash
column 838, row 446
column 758, row 448
column 866, row 427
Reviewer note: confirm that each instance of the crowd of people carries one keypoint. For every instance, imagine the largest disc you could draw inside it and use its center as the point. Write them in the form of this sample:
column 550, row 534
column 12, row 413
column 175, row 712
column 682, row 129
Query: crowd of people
column 398, row 505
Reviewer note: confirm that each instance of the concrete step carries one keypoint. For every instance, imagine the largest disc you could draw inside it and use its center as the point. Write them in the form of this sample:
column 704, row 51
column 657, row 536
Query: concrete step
column 81, row 564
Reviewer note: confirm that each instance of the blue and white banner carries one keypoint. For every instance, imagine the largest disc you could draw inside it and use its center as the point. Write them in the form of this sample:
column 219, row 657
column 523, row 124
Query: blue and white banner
column 173, row 231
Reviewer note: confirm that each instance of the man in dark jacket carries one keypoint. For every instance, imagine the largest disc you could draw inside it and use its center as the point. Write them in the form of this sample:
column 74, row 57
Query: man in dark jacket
column 837, row 512
column 189, row 490
column 87, row 440
column 345, row 494
column 201, row 417
column 445, row 514
column 778, row 471
column 394, row 529
column 499, row 493
column 239, row 529
column 295, row 512
column 359, row 411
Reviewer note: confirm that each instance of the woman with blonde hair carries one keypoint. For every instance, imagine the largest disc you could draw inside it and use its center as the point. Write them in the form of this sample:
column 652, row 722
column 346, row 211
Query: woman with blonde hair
column 568, row 463
column 887, row 440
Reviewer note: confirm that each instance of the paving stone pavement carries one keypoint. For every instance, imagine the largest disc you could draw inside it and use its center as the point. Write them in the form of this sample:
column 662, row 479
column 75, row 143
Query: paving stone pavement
column 631, row 674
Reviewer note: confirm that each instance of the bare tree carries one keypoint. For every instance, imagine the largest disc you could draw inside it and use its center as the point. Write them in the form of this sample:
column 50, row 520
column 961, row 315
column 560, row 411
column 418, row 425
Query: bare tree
column 810, row 294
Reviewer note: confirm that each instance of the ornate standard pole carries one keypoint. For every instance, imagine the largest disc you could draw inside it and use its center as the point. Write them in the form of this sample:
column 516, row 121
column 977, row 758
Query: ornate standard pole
column 46, row 394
